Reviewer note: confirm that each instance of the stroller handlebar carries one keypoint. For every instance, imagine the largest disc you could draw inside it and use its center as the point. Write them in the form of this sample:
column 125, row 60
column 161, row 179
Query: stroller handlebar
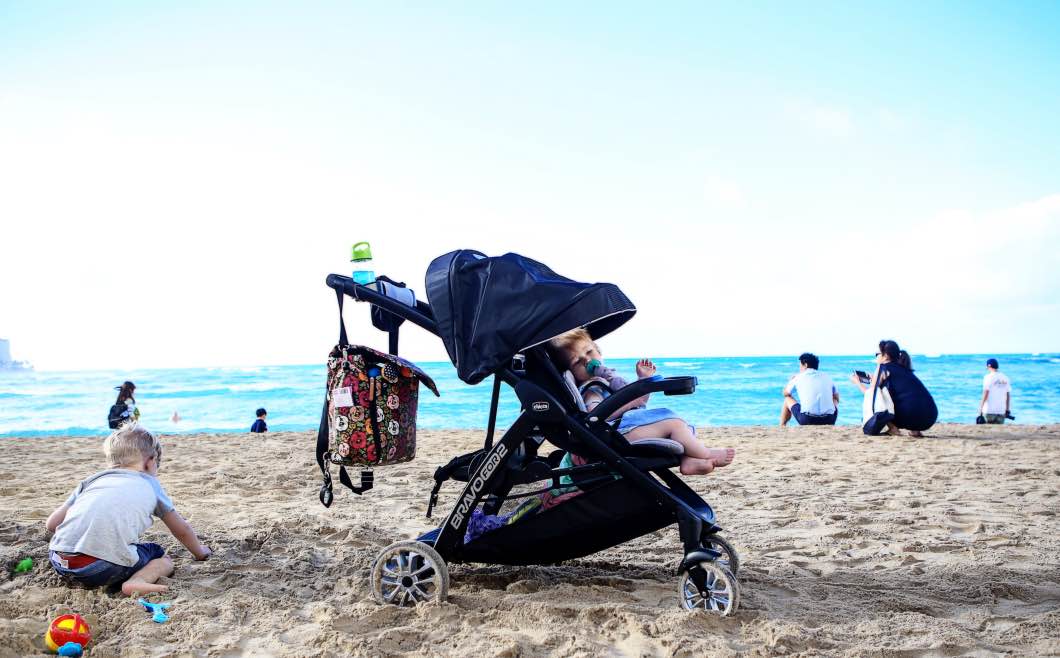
column 665, row 385
column 367, row 294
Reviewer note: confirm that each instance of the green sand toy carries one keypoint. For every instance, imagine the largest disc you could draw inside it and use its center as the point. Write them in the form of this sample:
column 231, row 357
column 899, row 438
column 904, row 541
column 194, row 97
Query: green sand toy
column 24, row 565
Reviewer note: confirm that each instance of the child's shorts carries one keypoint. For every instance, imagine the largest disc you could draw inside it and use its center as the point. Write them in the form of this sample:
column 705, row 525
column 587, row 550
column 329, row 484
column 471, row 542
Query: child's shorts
column 102, row 573
column 635, row 418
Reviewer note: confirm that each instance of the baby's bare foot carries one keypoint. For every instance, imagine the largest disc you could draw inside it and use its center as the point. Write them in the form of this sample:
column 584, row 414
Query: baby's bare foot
column 696, row 466
column 721, row 456
column 135, row 587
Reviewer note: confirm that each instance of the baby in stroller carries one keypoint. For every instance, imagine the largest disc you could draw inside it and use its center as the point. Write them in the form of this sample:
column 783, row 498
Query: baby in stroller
column 580, row 354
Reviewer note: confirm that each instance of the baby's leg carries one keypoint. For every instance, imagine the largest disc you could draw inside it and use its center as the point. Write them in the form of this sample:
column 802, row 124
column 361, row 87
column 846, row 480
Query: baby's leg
column 146, row 579
column 695, row 451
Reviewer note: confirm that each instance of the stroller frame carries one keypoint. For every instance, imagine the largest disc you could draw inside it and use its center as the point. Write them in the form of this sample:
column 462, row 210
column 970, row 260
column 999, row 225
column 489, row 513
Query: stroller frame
column 629, row 485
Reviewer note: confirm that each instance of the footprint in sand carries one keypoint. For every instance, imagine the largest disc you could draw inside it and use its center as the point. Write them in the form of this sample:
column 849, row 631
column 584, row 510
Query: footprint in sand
column 964, row 525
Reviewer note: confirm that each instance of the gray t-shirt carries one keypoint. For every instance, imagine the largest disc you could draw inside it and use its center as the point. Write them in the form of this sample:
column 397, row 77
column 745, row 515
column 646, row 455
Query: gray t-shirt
column 107, row 514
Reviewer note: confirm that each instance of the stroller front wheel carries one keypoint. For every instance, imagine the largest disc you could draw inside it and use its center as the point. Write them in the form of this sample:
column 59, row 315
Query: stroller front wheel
column 711, row 587
column 408, row 573
column 729, row 558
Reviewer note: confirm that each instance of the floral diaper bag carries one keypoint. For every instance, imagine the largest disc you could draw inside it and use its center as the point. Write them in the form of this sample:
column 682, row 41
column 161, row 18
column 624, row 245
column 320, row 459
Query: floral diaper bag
column 372, row 398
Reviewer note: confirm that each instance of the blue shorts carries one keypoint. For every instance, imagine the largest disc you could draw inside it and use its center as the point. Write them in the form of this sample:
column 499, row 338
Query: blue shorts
column 635, row 418
column 807, row 419
column 102, row 573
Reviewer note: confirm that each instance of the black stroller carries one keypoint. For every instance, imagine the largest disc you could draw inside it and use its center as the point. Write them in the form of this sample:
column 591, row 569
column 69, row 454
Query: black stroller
column 495, row 315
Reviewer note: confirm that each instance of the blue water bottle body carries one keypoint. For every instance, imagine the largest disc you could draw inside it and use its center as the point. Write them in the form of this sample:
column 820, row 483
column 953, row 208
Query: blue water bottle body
column 363, row 277
column 361, row 256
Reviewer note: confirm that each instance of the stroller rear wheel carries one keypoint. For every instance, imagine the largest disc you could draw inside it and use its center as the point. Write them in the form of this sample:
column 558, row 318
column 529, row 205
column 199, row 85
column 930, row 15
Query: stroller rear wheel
column 408, row 573
column 729, row 558
column 711, row 587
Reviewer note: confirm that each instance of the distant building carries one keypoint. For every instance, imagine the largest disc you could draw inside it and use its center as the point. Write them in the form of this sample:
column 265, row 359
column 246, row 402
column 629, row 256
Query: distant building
column 6, row 363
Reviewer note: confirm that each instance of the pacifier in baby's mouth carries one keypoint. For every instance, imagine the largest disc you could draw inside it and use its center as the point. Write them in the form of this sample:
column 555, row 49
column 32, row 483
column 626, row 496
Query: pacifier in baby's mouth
column 592, row 366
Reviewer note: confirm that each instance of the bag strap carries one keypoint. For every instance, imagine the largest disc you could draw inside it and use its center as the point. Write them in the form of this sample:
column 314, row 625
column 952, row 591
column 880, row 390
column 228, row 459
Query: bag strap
column 326, row 495
column 343, row 341
column 879, row 384
column 874, row 389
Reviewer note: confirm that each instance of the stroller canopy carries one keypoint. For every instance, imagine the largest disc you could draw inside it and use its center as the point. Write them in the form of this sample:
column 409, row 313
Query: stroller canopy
column 488, row 309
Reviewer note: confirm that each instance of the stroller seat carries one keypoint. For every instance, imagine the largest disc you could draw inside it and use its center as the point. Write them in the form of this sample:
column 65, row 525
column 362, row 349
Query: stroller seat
column 656, row 448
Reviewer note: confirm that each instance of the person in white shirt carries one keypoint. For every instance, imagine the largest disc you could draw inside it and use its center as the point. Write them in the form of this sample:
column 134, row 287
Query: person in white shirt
column 818, row 400
column 997, row 395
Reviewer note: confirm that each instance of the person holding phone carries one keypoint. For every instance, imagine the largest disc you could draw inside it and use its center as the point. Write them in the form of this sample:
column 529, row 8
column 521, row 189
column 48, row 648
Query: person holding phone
column 818, row 399
column 914, row 408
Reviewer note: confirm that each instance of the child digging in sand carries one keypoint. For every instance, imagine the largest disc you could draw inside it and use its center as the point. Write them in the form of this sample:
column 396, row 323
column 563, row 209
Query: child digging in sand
column 97, row 528
column 576, row 349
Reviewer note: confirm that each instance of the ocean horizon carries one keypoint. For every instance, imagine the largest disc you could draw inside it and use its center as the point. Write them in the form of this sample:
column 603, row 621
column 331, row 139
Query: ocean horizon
column 738, row 390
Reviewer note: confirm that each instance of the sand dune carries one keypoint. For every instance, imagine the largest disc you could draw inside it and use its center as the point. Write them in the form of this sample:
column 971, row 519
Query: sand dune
column 946, row 546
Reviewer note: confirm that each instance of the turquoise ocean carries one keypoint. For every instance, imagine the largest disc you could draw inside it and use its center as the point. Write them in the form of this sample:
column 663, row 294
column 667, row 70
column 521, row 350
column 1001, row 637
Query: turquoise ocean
column 732, row 391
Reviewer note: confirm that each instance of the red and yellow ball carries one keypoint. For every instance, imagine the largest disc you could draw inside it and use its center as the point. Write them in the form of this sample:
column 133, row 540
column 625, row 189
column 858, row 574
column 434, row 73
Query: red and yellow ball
column 67, row 628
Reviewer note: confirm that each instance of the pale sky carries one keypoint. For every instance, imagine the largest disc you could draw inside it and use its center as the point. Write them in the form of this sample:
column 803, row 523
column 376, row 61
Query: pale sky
column 176, row 181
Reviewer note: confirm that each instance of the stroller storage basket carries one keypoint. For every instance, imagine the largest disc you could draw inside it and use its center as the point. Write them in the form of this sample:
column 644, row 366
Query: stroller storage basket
column 606, row 516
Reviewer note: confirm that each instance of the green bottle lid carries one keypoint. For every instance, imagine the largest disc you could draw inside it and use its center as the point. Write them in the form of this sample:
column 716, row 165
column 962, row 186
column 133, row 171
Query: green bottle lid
column 361, row 251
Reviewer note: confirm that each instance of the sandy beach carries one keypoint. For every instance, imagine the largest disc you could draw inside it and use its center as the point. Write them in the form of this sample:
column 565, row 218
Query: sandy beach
column 850, row 546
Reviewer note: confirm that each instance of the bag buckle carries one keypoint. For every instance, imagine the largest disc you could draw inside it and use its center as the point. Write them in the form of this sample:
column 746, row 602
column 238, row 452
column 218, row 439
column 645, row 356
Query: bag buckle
column 327, row 496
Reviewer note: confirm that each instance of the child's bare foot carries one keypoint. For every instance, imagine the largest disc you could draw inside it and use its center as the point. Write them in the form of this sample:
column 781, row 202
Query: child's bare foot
column 136, row 587
column 696, row 466
column 721, row 456
column 918, row 435
column 146, row 579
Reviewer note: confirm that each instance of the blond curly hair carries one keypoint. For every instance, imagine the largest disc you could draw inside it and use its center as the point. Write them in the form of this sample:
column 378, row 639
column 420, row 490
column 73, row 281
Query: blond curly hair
column 560, row 347
column 131, row 443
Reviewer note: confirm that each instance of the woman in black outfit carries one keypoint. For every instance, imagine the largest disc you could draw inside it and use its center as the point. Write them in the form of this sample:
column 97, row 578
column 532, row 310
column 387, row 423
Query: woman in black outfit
column 914, row 408
column 124, row 408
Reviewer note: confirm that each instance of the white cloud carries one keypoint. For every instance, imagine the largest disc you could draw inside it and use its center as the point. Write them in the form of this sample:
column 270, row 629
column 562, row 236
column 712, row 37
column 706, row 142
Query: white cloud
column 723, row 193
column 826, row 120
column 890, row 120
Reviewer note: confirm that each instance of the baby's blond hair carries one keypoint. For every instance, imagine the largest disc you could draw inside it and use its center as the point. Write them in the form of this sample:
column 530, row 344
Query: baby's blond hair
column 559, row 348
column 130, row 443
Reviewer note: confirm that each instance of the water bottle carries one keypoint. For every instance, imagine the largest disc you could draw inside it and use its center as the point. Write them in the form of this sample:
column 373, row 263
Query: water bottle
column 361, row 254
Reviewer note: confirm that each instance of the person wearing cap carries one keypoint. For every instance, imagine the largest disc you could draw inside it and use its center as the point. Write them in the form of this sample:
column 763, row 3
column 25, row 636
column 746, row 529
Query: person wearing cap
column 818, row 399
column 997, row 395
